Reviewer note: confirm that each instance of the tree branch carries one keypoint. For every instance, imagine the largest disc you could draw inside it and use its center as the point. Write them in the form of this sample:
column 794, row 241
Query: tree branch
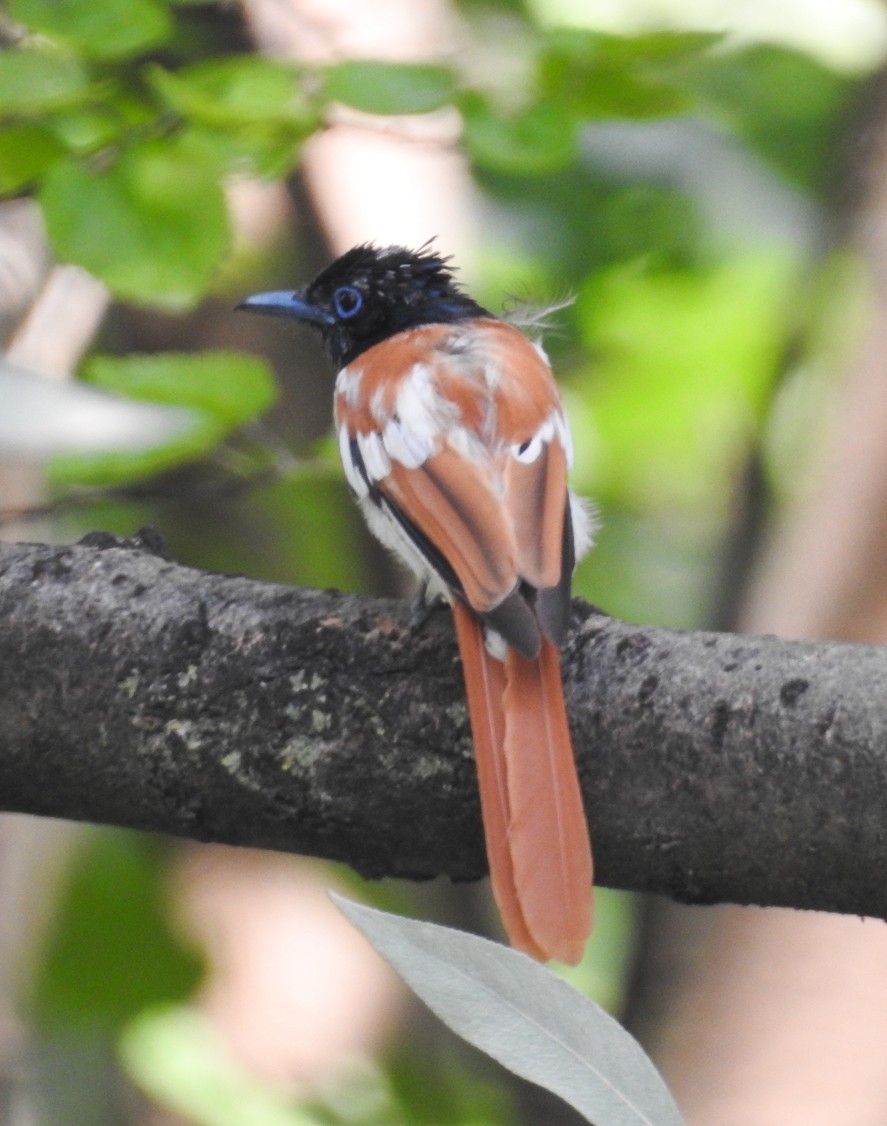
column 140, row 693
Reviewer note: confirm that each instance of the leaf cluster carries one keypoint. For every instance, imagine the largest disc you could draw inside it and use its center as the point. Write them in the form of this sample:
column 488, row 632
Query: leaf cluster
column 126, row 137
column 126, row 125
column 127, row 119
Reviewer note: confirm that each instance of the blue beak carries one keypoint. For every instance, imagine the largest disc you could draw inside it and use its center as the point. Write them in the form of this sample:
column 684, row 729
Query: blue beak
column 286, row 303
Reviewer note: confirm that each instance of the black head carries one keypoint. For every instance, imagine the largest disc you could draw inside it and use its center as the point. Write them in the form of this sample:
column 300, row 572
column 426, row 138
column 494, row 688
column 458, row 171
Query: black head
column 369, row 294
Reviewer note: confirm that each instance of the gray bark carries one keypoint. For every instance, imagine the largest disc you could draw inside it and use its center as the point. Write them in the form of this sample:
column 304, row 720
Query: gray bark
column 140, row 693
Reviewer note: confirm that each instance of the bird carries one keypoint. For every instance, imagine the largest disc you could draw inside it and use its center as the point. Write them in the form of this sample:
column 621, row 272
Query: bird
column 454, row 441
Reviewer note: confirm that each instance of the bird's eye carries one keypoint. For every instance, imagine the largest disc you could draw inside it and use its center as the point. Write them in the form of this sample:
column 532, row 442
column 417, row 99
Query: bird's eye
column 347, row 300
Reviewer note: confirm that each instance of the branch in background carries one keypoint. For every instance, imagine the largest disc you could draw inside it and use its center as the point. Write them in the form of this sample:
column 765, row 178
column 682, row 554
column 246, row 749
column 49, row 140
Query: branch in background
column 715, row 767
column 61, row 323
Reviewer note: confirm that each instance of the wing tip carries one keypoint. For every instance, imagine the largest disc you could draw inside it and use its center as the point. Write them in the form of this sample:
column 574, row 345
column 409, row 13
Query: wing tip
column 553, row 613
column 514, row 620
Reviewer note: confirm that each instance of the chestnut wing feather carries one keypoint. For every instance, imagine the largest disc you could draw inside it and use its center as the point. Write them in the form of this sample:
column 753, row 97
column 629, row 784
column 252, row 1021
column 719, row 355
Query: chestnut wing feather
column 490, row 509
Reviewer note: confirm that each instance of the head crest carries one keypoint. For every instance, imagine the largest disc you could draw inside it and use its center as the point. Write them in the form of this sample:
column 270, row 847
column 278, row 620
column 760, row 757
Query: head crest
column 371, row 293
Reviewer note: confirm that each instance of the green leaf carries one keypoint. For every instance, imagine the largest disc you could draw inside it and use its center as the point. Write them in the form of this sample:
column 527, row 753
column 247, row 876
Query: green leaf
column 87, row 129
column 264, row 150
column 34, row 81
column 245, row 113
column 598, row 75
column 222, row 389
column 380, row 87
column 537, row 142
column 26, row 151
column 229, row 386
column 240, row 91
column 525, row 1017
column 100, row 28
column 153, row 226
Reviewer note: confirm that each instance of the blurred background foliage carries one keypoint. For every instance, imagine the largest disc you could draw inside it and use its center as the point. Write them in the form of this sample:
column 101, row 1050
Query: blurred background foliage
column 676, row 177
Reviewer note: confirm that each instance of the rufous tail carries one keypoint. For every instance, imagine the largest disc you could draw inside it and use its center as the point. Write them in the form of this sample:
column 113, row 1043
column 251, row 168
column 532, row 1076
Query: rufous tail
column 534, row 821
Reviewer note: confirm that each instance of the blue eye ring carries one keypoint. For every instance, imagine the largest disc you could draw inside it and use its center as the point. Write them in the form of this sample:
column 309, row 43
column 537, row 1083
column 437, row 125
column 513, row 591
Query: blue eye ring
column 347, row 301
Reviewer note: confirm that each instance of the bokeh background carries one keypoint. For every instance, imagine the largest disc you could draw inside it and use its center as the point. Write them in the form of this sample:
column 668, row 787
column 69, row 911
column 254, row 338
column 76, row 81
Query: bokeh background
column 707, row 180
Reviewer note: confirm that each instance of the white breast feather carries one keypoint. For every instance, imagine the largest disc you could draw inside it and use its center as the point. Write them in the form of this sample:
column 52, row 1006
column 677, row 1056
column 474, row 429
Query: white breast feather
column 387, row 530
column 585, row 522
column 372, row 452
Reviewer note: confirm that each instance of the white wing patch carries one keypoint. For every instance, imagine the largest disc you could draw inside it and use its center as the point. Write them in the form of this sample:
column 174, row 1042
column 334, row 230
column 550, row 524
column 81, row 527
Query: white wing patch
column 377, row 405
column 467, row 443
column 405, row 446
column 410, row 435
column 372, row 452
column 422, row 410
column 528, row 452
